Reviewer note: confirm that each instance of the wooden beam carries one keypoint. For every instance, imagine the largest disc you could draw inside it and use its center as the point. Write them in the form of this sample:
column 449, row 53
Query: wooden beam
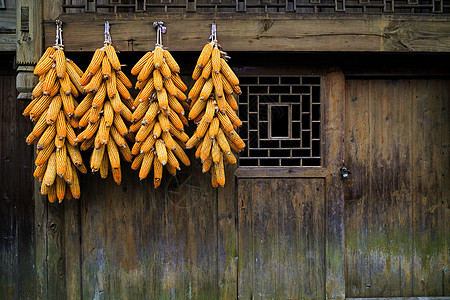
column 246, row 32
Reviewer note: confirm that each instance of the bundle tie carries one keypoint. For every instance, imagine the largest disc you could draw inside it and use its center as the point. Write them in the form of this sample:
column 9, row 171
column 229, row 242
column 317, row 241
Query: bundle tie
column 107, row 34
column 160, row 29
column 59, row 41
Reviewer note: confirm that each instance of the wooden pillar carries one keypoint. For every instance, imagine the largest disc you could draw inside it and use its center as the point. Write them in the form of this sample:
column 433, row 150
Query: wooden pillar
column 29, row 44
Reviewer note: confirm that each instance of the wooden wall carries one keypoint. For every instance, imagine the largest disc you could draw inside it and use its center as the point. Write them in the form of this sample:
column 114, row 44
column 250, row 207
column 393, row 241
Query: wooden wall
column 397, row 138
column 8, row 27
column 16, row 188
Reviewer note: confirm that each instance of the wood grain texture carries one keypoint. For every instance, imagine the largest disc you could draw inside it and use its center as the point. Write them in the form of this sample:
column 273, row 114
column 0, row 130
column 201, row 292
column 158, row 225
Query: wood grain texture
column 396, row 198
column 8, row 27
column 281, row 240
column 242, row 32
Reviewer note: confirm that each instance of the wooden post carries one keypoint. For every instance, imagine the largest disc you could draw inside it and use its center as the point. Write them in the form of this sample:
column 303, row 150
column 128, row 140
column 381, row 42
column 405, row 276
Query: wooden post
column 333, row 155
column 29, row 44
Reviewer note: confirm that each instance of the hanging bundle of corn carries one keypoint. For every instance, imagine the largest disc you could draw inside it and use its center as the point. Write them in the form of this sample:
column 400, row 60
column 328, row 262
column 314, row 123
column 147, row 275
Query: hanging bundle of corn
column 52, row 108
column 213, row 109
column 159, row 118
column 103, row 110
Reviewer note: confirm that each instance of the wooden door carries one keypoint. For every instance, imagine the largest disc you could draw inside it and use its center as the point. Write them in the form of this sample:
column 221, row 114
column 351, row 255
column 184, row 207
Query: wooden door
column 289, row 190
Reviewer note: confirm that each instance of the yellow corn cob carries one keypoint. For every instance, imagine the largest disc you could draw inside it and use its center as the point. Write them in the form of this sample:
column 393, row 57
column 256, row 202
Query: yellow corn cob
column 164, row 122
column 206, row 166
column 225, row 122
column 220, row 171
column 50, row 173
column 146, row 91
column 96, row 158
column 215, row 151
column 137, row 148
column 124, row 79
column 147, row 69
column 175, row 120
column 40, row 126
column 157, row 130
column 27, row 110
column 165, row 70
column 140, row 64
column 218, row 86
column 206, row 72
column 84, row 105
column 51, row 195
column 43, row 67
column 40, row 171
column 70, row 134
column 102, row 136
column 206, row 90
column 170, row 87
column 122, row 89
column 158, row 57
column 146, row 164
column 204, row 55
column 228, row 73
column 222, row 141
column 196, row 89
column 175, row 105
column 84, row 121
column 108, row 113
column 142, row 133
column 49, row 81
column 221, row 104
column 68, row 175
column 104, row 166
column 162, row 99
column 227, row 88
column 113, row 154
column 85, row 78
column 106, row 68
column 168, row 140
column 140, row 111
column 73, row 89
column 60, row 63
column 68, row 104
column 215, row 59
column 172, row 171
column 89, row 132
column 82, row 168
column 135, row 126
column 206, row 149
column 99, row 97
column 157, row 80
column 148, row 144
column 40, row 107
column 61, row 158
column 183, row 119
column 119, row 139
column 214, row 182
column 111, row 86
column 126, row 152
column 44, row 154
column 94, row 115
column 87, row 144
column 196, row 109
column 235, row 139
column 95, row 83
column 199, row 149
column 95, row 63
column 202, row 127
column 237, row 90
column 31, row 139
column 74, row 77
column 161, row 151
column 178, row 82
column 170, row 61
column 75, row 186
column 157, row 172
column 233, row 116
column 229, row 158
column 214, row 128
column 55, row 88
column 126, row 113
column 59, row 142
column 172, row 160
column 180, row 95
column 120, row 125
column 47, row 137
column 196, row 73
column 38, row 90
column 180, row 135
column 137, row 162
column 75, row 67
column 209, row 112
column 232, row 101
column 61, row 125
column 179, row 152
column 192, row 142
column 43, row 60
column 44, row 189
column 116, row 104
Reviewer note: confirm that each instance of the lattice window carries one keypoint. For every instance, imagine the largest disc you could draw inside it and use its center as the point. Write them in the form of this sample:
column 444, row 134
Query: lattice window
column 259, row 6
column 281, row 118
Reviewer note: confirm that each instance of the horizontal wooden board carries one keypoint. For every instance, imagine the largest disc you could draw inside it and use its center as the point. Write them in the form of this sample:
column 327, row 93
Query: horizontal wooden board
column 281, row 172
column 246, row 32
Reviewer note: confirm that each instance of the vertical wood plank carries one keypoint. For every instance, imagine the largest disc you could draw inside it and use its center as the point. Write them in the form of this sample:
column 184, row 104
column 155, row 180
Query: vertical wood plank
column 333, row 108
column 356, row 196
column 245, row 239
column 56, row 271
column 72, row 248
column 445, row 184
column 227, row 259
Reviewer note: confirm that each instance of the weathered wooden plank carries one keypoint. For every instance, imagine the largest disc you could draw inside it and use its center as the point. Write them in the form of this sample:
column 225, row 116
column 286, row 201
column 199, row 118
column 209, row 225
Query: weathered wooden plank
column 333, row 112
column 227, row 259
column 445, row 184
column 304, row 172
column 260, row 32
column 428, row 242
column 72, row 248
column 7, row 42
column 356, row 186
column 56, row 271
